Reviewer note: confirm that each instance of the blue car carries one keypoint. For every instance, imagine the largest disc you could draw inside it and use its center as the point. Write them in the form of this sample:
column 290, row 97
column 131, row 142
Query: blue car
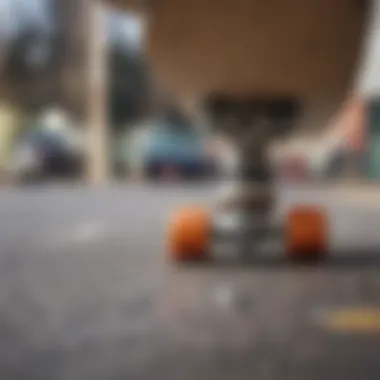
column 177, row 152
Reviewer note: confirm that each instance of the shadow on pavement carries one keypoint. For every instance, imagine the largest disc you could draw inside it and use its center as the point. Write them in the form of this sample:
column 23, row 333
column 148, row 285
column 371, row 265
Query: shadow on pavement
column 345, row 261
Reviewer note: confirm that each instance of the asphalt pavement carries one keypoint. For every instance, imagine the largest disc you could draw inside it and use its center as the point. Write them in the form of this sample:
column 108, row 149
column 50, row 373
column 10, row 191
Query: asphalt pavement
column 87, row 293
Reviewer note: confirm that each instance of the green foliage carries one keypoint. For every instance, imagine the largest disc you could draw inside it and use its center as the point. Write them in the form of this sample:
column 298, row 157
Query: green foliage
column 128, row 75
column 17, row 65
column 128, row 86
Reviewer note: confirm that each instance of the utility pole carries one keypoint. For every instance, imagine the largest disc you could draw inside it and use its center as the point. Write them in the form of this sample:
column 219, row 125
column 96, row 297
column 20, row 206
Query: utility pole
column 83, row 67
column 97, row 119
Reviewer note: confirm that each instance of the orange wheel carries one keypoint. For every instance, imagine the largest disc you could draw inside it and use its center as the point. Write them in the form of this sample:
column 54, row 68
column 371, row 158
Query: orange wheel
column 306, row 233
column 190, row 234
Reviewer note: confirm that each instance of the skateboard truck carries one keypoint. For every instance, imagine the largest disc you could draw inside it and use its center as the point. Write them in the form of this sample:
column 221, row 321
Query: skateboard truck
column 194, row 230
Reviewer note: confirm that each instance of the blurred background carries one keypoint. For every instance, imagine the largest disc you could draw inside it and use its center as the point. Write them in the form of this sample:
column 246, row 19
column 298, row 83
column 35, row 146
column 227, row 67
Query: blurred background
column 84, row 90
column 62, row 94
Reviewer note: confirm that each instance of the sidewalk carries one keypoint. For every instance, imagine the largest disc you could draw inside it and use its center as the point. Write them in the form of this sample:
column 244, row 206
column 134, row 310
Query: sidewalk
column 359, row 191
column 347, row 190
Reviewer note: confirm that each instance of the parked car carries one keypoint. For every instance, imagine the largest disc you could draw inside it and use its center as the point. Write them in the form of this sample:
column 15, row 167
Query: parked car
column 165, row 148
column 44, row 154
column 177, row 153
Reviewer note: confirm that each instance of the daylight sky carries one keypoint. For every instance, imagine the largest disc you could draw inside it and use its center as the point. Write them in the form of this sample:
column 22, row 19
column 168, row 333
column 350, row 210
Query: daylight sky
column 16, row 12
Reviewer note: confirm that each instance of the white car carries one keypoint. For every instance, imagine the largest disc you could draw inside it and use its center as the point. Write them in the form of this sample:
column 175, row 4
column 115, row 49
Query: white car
column 25, row 162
